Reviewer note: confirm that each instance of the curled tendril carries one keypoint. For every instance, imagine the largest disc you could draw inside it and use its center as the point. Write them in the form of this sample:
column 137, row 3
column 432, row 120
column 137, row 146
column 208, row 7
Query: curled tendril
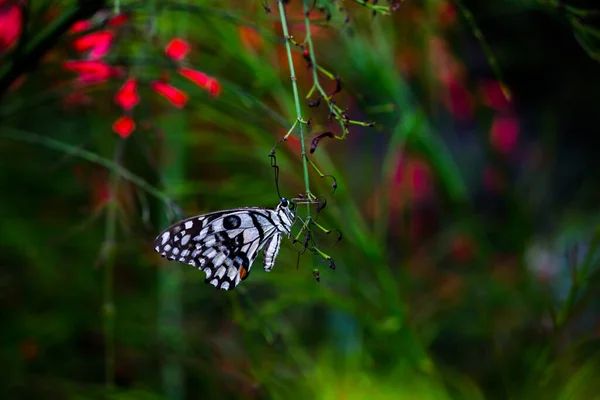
column 334, row 184
column 317, row 139
column 339, row 238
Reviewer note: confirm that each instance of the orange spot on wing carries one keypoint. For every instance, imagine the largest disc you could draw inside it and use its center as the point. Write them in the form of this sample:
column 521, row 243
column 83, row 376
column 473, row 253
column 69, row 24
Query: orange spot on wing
column 243, row 273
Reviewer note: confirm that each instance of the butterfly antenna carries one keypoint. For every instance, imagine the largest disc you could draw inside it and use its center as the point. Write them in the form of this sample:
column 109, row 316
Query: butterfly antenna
column 276, row 167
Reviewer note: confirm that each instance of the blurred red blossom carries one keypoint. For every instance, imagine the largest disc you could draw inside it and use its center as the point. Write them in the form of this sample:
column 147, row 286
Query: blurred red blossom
column 412, row 177
column 494, row 96
column 11, row 23
column 201, row 79
column 80, row 26
column 504, row 133
column 76, row 98
column 91, row 71
column 250, row 38
column 445, row 13
column 177, row 49
column 118, row 19
column 124, row 126
column 127, row 96
column 458, row 101
column 420, row 179
column 175, row 96
column 98, row 43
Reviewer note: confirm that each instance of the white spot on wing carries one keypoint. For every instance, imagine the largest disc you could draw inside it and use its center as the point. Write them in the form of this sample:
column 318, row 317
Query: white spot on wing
column 232, row 272
column 189, row 224
column 165, row 237
column 210, row 253
column 208, row 272
column 175, row 250
column 185, row 240
column 218, row 260
column 168, row 247
column 220, row 272
column 225, row 285
column 214, row 282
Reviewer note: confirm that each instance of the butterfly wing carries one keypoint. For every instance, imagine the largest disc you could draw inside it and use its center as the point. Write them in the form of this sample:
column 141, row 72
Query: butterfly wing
column 271, row 250
column 223, row 244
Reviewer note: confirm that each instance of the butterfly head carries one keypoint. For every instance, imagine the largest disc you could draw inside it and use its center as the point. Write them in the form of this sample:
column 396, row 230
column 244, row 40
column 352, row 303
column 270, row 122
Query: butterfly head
column 286, row 211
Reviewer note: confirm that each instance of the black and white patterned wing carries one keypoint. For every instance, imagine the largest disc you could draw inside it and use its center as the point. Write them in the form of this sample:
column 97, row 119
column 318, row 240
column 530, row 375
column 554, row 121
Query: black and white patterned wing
column 271, row 250
column 223, row 244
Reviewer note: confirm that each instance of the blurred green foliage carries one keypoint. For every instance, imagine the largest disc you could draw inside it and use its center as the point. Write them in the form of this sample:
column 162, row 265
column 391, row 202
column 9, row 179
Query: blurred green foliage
column 468, row 267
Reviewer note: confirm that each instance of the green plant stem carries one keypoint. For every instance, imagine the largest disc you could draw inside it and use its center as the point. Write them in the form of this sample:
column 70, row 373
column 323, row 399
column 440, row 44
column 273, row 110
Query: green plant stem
column 580, row 279
column 288, row 50
column 30, row 137
column 315, row 67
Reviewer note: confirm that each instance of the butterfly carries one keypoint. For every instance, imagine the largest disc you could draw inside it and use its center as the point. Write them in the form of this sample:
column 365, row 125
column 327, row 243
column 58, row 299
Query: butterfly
column 224, row 244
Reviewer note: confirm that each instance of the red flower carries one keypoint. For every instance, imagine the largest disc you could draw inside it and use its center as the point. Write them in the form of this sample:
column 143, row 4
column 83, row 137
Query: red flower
column 504, row 134
column 495, row 95
column 118, row 19
column 458, row 101
column 214, row 87
column 202, row 80
column 11, row 22
column 177, row 97
column 90, row 71
column 80, row 26
column 98, row 42
column 177, row 49
column 199, row 78
column 124, row 126
column 127, row 96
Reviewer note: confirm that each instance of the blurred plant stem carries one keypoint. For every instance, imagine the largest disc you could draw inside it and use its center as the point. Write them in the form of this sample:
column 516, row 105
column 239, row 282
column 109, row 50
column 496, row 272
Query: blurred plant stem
column 170, row 329
column 580, row 277
column 108, row 258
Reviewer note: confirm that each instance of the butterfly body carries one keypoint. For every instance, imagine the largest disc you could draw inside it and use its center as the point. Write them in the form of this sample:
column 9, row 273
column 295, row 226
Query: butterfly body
column 224, row 244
